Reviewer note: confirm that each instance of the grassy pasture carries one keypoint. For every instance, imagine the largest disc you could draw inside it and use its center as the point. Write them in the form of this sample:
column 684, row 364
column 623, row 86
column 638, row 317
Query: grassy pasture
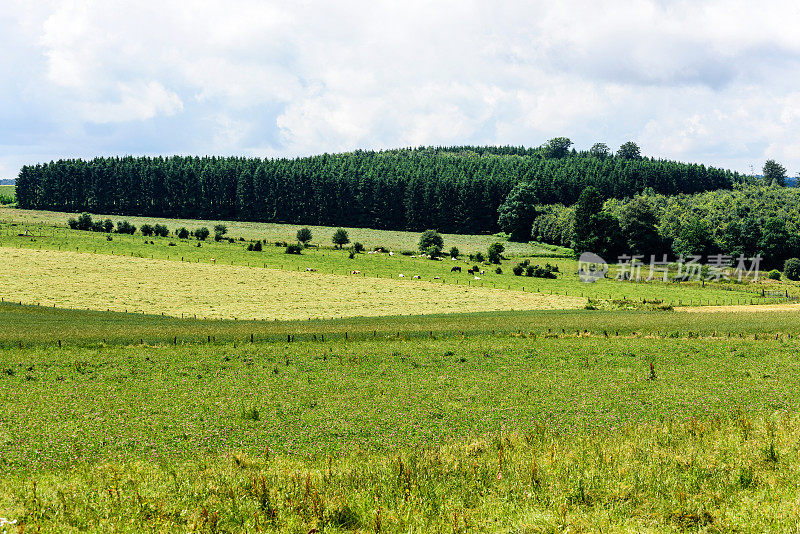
column 389, row 267
column 494, row 434
column 8, row 191
column 394, row 240
column 74, row 280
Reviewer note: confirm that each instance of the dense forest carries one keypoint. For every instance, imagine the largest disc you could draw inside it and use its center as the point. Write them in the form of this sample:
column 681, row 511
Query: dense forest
column 452, row 189
column 749, row 219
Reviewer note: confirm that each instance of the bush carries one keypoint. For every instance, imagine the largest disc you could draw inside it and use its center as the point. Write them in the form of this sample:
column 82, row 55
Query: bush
column 160, row 230
column 219, row 231
column 479, row 257
column 83, row 222
column 407, row 253
column 72, row 222
column 381, row 249
column 202, row 233
column 340, row 237
column 498, row 271
column 97, row 226
column 517, row 270
column 792, row 269
column 108, row 226
column 124, row 227
column 294, row 249
column 429, row 239
column 495, row 252
column 548, row 271
column 146, row 230
column 304, row 235
column 183, row 233
column 453, row 252
column 358, row 248
column 774, row 274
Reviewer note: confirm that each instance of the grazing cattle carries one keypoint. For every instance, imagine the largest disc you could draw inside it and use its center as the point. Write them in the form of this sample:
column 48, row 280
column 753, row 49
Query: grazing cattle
column 356, row 272
column 470, row 271
column 455, row 269
column 401, row 275
column 213, row 260
column 436, row 278
column 477, row 278
column 416, row 277
column 310, row 270
column 483, row 272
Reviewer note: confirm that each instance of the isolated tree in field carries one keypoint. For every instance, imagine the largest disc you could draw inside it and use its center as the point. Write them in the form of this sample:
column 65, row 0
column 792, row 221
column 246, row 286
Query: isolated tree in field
column 431, row 239
column 495, row 252
column 629, row 150
column 600, row 151
column 358, row 248
column 84, row 222
column 454, row 252
column 108, row 226
column 792, row 269
column 183, row 233
column 558, row 147
column 304, row 235
column 160, row 230
column 340, row 237
column 517, row 213
column 125, row 227
column 146, row 230
column 202, row 233
column 219, row 231
column 774, row 173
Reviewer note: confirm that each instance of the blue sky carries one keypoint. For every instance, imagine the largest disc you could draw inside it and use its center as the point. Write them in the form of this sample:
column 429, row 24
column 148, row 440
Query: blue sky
column 715, row 82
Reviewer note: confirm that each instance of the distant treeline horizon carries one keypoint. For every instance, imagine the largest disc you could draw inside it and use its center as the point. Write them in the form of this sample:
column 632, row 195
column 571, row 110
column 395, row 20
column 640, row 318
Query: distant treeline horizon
column 451, row 189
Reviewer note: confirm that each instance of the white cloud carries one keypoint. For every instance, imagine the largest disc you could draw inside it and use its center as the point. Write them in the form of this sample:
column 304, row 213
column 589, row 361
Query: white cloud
column 713, row 81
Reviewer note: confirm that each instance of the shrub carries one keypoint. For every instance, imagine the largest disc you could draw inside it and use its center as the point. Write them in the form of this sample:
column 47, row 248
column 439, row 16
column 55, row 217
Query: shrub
column 498, row 271
column 294, row 249
column 146, row 230
column 774, row 274
column 431, row 238
column 304, row 235
column 202, row 233
column 340, row 237
column 124, row 227
column 495, row 252
column 358, row 248
column 219, row 231
column 83, row 222
column 433, row 251
column 479, row 257
column 257, row 246
column 453, row 252
column 381, row 249
column 72, row 222
column 407, row 253
column 183, row 233
column 517, row 270
column 97, row 226
column 792, row 269
column 108, row 226
column 160, row 230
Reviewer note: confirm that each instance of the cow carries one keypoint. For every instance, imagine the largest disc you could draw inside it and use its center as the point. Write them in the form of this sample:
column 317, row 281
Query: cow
column 417, row 277
column 455, row 269
column 401, row 275
column 470, row 271
column 213, row 260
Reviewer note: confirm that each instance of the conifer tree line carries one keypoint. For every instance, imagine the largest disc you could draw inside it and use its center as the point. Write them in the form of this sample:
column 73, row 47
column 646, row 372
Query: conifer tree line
column 452, row 189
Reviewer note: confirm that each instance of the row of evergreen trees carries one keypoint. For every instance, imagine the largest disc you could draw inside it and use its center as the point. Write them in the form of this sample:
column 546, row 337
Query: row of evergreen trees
column 453, row 189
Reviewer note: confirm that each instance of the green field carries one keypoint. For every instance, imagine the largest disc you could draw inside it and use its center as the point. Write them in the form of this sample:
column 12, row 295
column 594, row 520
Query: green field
column 373, row 403
column 8, row 193
column 394, row 240
column 609, row 292
column 540, row 431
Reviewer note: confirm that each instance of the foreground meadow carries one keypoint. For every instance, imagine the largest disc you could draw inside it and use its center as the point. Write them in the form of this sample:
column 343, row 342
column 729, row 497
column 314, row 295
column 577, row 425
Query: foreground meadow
column 461, row 434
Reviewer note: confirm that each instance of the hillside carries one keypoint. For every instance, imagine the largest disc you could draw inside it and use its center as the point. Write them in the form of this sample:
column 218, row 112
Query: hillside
column 455, row 189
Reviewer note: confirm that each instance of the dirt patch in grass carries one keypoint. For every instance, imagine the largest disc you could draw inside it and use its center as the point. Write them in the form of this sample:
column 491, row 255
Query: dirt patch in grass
column 78, row 280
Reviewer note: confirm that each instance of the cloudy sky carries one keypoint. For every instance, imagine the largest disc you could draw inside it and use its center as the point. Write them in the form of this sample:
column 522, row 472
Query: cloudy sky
column 716, row 82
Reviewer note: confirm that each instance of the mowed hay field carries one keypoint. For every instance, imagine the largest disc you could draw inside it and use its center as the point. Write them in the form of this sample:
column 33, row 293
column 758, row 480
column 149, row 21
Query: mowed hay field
column 117, row 283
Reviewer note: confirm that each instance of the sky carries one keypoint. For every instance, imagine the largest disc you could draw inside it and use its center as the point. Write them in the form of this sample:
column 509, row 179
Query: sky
column 715, row 82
